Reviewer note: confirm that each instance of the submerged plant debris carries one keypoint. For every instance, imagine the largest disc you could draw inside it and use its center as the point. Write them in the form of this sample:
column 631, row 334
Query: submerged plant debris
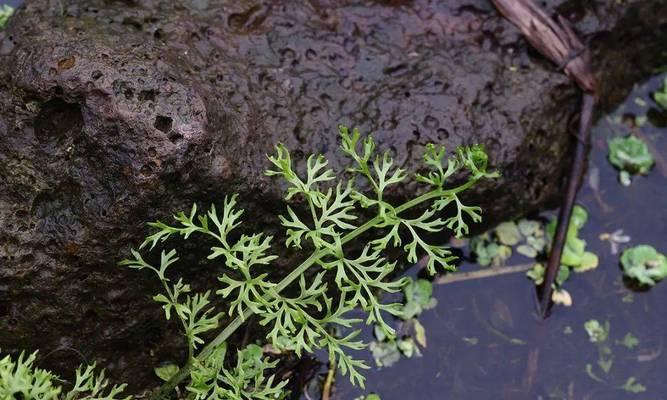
column 632, row 386
column 599, row 334
column 371, row 396
column 615, row 239
column 629, row 340
column 487, row 251
column 386, row 350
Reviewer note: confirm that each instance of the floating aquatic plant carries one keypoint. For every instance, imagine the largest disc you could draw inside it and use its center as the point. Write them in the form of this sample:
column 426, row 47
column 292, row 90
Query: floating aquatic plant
column 660, row 96
column 575, row 255
column 631, row 156
column 644, row 264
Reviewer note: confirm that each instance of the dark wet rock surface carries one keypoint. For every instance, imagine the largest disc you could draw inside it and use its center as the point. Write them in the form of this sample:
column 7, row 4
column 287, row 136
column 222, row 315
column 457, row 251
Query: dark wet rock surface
column 115, row 113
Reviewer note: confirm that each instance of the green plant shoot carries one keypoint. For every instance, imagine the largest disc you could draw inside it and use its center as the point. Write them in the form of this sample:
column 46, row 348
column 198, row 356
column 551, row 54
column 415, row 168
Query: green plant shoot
column 335, row 279
column 21, row 379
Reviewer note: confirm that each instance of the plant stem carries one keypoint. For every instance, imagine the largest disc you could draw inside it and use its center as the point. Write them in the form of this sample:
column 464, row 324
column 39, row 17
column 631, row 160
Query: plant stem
column 185, row 325
column 328, row 383
column 164, row 390
column 481, row 273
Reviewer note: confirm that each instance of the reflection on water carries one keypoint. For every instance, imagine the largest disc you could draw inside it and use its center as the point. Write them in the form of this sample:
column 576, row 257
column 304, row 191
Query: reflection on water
column 552, row 362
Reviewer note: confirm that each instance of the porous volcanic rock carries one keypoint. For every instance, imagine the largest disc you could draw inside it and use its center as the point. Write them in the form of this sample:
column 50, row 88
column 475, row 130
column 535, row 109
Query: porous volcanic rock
column 113, row 113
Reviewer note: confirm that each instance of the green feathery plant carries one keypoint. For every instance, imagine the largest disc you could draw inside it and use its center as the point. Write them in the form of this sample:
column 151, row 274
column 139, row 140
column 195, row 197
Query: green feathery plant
column 20, row 379
column 306, row 321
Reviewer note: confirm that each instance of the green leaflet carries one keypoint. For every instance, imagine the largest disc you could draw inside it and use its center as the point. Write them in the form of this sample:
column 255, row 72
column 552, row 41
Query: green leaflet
column 508, row 233
column 87, row 385
column 21, row 379
column 316, row 316
column 166, row 372
column 247, row 380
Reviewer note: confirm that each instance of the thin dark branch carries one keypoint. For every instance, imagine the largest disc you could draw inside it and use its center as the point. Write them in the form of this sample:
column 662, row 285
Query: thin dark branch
column 577, row 169
column 558, row 42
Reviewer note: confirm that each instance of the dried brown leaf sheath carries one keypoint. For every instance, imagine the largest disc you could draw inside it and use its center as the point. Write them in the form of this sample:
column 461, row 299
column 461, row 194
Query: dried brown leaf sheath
column 556, row 41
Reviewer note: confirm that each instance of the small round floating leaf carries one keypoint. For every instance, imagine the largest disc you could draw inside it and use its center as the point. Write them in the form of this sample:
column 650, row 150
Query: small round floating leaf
column 508, row 233
column 644, row 264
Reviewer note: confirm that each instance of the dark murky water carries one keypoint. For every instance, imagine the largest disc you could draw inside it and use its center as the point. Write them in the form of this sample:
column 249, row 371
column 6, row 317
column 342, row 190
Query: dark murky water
column 13, row 3
column 551, row 364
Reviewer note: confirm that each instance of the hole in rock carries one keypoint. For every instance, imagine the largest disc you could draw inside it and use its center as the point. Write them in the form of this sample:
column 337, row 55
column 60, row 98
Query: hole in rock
column 145, row 95
column 175, row 137
column 58, row 119
column 162, row 123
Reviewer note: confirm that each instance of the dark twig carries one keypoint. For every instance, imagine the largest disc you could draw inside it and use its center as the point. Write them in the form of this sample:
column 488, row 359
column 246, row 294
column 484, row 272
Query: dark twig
column 574, row 179
column 558, row 42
